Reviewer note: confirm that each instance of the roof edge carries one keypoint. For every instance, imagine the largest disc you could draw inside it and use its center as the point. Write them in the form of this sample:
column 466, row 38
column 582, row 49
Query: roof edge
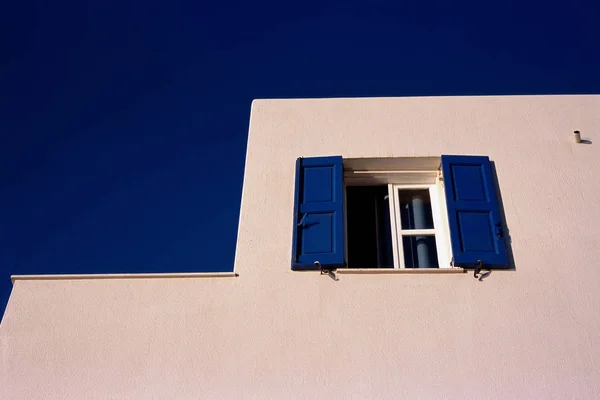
column 55, row 277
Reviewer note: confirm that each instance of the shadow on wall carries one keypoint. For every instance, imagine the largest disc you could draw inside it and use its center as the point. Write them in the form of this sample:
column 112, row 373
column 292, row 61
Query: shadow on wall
column 507, row 239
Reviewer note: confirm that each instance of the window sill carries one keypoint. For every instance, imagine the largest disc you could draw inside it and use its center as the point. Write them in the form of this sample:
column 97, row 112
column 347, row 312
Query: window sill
column 452, row 270
column 124, row 276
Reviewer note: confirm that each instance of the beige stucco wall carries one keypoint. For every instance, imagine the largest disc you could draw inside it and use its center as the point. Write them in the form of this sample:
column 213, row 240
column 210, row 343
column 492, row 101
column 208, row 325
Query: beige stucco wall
column 272, row 333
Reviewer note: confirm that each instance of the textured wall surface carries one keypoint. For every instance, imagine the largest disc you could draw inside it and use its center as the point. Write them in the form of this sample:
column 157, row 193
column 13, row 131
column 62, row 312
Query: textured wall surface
column 533, row 332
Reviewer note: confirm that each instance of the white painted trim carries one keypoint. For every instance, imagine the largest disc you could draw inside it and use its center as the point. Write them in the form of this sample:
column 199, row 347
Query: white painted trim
column 392, row 164
column 384, row 179
column 380, row 271
column 418, row 232
column 397, row 245
column 392, row 203
column 438, row 210
column 374, row 172
column 413, row 186
column 124, row 276
column 440, row 239
column 444, row 233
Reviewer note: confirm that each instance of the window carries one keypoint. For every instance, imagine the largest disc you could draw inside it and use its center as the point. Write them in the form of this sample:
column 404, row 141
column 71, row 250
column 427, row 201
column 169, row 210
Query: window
column 396, row 213
column 421, row 241
column 395, row 226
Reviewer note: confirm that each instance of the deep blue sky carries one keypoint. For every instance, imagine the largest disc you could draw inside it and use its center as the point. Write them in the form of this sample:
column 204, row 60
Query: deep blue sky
column 123, row 125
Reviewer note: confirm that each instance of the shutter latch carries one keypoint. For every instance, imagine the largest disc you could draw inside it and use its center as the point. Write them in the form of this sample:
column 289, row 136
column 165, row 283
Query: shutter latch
column 326, row 271
column 477, row 269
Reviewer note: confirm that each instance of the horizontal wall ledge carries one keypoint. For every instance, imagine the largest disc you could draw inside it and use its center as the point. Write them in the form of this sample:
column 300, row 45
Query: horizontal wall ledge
column 124, row 276
column 453, row 270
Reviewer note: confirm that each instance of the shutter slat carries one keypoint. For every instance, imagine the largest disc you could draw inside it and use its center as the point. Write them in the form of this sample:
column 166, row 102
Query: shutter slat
column 473, row 212
column 318, row 214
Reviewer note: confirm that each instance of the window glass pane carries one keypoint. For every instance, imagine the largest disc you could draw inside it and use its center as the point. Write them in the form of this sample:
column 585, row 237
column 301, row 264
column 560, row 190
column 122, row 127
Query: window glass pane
column 420, row 252
column 415, row 209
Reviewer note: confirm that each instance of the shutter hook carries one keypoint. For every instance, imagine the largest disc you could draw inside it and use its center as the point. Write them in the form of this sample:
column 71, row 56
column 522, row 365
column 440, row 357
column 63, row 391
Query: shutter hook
column 321, row 268
column 325, row 271
column 477, row 268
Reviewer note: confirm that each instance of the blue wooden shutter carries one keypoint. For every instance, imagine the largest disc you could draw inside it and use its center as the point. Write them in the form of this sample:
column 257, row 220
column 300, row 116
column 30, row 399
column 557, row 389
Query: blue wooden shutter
column 473, row 213
column 318, row 213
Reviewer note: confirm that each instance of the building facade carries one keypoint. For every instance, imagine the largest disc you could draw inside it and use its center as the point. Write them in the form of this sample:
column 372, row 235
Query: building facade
column 362, row 225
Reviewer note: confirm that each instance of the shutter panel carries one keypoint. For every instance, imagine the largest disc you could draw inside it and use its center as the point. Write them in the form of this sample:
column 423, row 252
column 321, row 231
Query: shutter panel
column 473, row 212
column 318, row 214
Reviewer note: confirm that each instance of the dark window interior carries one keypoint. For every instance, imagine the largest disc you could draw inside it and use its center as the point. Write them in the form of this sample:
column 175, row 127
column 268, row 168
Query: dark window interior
column 368, row 227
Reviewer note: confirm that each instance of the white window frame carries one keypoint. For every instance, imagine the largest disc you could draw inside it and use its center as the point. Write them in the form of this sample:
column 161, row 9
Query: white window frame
column 440, row 223
column 403, row 173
